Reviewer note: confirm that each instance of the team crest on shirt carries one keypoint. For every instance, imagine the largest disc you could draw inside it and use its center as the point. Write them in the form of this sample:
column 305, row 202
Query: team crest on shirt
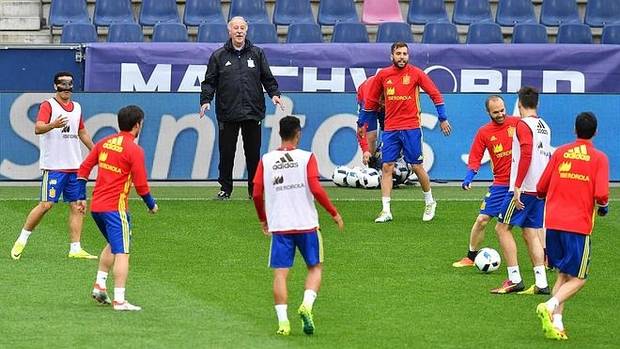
column 511, row 131
column 390, row 91
column 406, row 80
column 52, row 193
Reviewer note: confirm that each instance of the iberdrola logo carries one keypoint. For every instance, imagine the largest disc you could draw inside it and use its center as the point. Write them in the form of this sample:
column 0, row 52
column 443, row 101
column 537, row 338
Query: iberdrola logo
column 565, row 166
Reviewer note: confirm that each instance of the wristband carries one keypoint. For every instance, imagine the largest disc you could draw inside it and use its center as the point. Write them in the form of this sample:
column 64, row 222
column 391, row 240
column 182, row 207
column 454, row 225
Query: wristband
column 469, row 176
column 81, row 189
column 148, row 200
column 441, row 112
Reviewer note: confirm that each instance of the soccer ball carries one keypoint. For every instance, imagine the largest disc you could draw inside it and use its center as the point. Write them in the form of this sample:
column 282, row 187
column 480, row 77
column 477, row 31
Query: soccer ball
column 339, row 176
column 400, row 172
column 353, row 177
column 370, row 178
column 487, row 260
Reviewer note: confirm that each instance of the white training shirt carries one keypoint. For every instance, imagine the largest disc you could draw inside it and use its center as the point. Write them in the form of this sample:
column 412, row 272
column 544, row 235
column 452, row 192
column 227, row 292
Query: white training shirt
column 60, row 147
column 541, row 152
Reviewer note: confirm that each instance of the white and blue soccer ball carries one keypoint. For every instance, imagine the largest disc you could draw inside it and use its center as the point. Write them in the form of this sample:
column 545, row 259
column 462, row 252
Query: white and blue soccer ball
column 353, row 177
column 370, row 178
column 400, row 172
column 487, row 260
column 340, row 175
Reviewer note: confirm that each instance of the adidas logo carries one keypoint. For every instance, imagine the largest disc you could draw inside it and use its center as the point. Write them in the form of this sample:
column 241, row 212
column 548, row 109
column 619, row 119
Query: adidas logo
column 389, row 82
column 541, row 129
column 285, row 161
column 565, row 166
column 577, row 153
column 227, row 63
column 493, row 138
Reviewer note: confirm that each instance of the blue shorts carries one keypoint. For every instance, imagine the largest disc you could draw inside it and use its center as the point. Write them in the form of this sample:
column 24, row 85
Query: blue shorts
column 407, row 141
column 282, row 252
column 370, row 118
column 56, row 183
column 492, row 202
column 116, row 229
column 531, row 216
column 569, row 252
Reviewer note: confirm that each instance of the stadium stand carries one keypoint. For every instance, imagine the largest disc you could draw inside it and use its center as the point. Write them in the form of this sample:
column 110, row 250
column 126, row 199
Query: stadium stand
column 350, row 32
column 381, row 11
column 197, row 12
column 574, row 33
column 262, row 33
column 394, row 31
column 252, row 10
column 529, row 33
column 426, row 11
column 287, row 12
column 170, row 32
column 334, row 11
column 511, row 12
column 125, row 32
column 556, row 12
column 485, row 33
column 471, row 11
column 78, row 33
column 212, row 32
column 602, row 12
column 611, row 34
column 158, row 11
column 304, row 33
column 440, row 33
column 112, row 11
column 68, row 11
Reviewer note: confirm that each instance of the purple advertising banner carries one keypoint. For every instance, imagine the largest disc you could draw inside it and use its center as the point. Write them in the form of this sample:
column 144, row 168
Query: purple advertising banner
column 496, row 68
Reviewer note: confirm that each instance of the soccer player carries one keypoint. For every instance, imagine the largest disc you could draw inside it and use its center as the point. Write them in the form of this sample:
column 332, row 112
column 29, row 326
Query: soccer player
column 121, row 162
column 285, row 186
column 576, row 178
column 496, row 138
column 367, row 125
column 531, row 150
column 400, row 86
column 60, row 127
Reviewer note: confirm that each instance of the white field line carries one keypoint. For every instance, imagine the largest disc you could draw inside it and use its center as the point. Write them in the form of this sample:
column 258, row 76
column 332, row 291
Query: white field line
column 244, row 199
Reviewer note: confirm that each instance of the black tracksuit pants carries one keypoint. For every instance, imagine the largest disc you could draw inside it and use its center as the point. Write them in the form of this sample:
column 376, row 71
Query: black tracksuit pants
column 229, row 133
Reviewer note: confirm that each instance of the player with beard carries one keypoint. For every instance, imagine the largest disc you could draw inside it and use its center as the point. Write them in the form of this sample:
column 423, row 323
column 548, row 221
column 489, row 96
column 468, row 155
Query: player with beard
column 400, row 86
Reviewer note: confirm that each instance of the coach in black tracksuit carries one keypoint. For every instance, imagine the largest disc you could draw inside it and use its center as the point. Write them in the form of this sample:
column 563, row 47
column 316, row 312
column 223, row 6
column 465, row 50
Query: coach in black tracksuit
column 237, row 73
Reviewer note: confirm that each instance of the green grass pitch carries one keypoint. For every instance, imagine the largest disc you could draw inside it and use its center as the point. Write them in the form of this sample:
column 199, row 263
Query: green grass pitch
column 199, row 270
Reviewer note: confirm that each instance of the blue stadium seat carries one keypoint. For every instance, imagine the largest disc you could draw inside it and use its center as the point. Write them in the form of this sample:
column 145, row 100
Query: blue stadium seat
column 287, row 12
column 511, row 12
column 426, row 11
column 262, row 33
column 602, row 12
column 485, row 33
column 529, row 33
column 350, row 32
column 202, row 11
column 68, row 11
column 112, row 11
column 392, row 32
column 212, row 32
column 158, row 11
column 440, row 33
column 125, row 32
column 611, row 34
column 253, row 11
column 574, row 33
column 471, row 11
column 556, row 12
column 169, row 32
column 78, row 33
column 299, row 33
column 334, row 11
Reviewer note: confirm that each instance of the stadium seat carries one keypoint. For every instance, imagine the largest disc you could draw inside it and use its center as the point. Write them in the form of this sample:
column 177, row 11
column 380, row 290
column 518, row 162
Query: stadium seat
column 381, row 11
column 440, row 33
column 262, row 33
column 169, row 32
column 485, row 33
column 125, row 32
column 350, row 32
column 602, row 12
column 334, row 11
column 511, row 12
column 391, row 32
column 299, row 33
column 287, row 12
column 212, row 32
column 611, row 34
column 556, row 12
column 253, row 11
column 471, row 11
column 529, row 33
column 68, row 11
column 426, row 11
column 112, row 11
column 78, row 33
column 574, row 33
column 202, row 11
column 158, row 11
